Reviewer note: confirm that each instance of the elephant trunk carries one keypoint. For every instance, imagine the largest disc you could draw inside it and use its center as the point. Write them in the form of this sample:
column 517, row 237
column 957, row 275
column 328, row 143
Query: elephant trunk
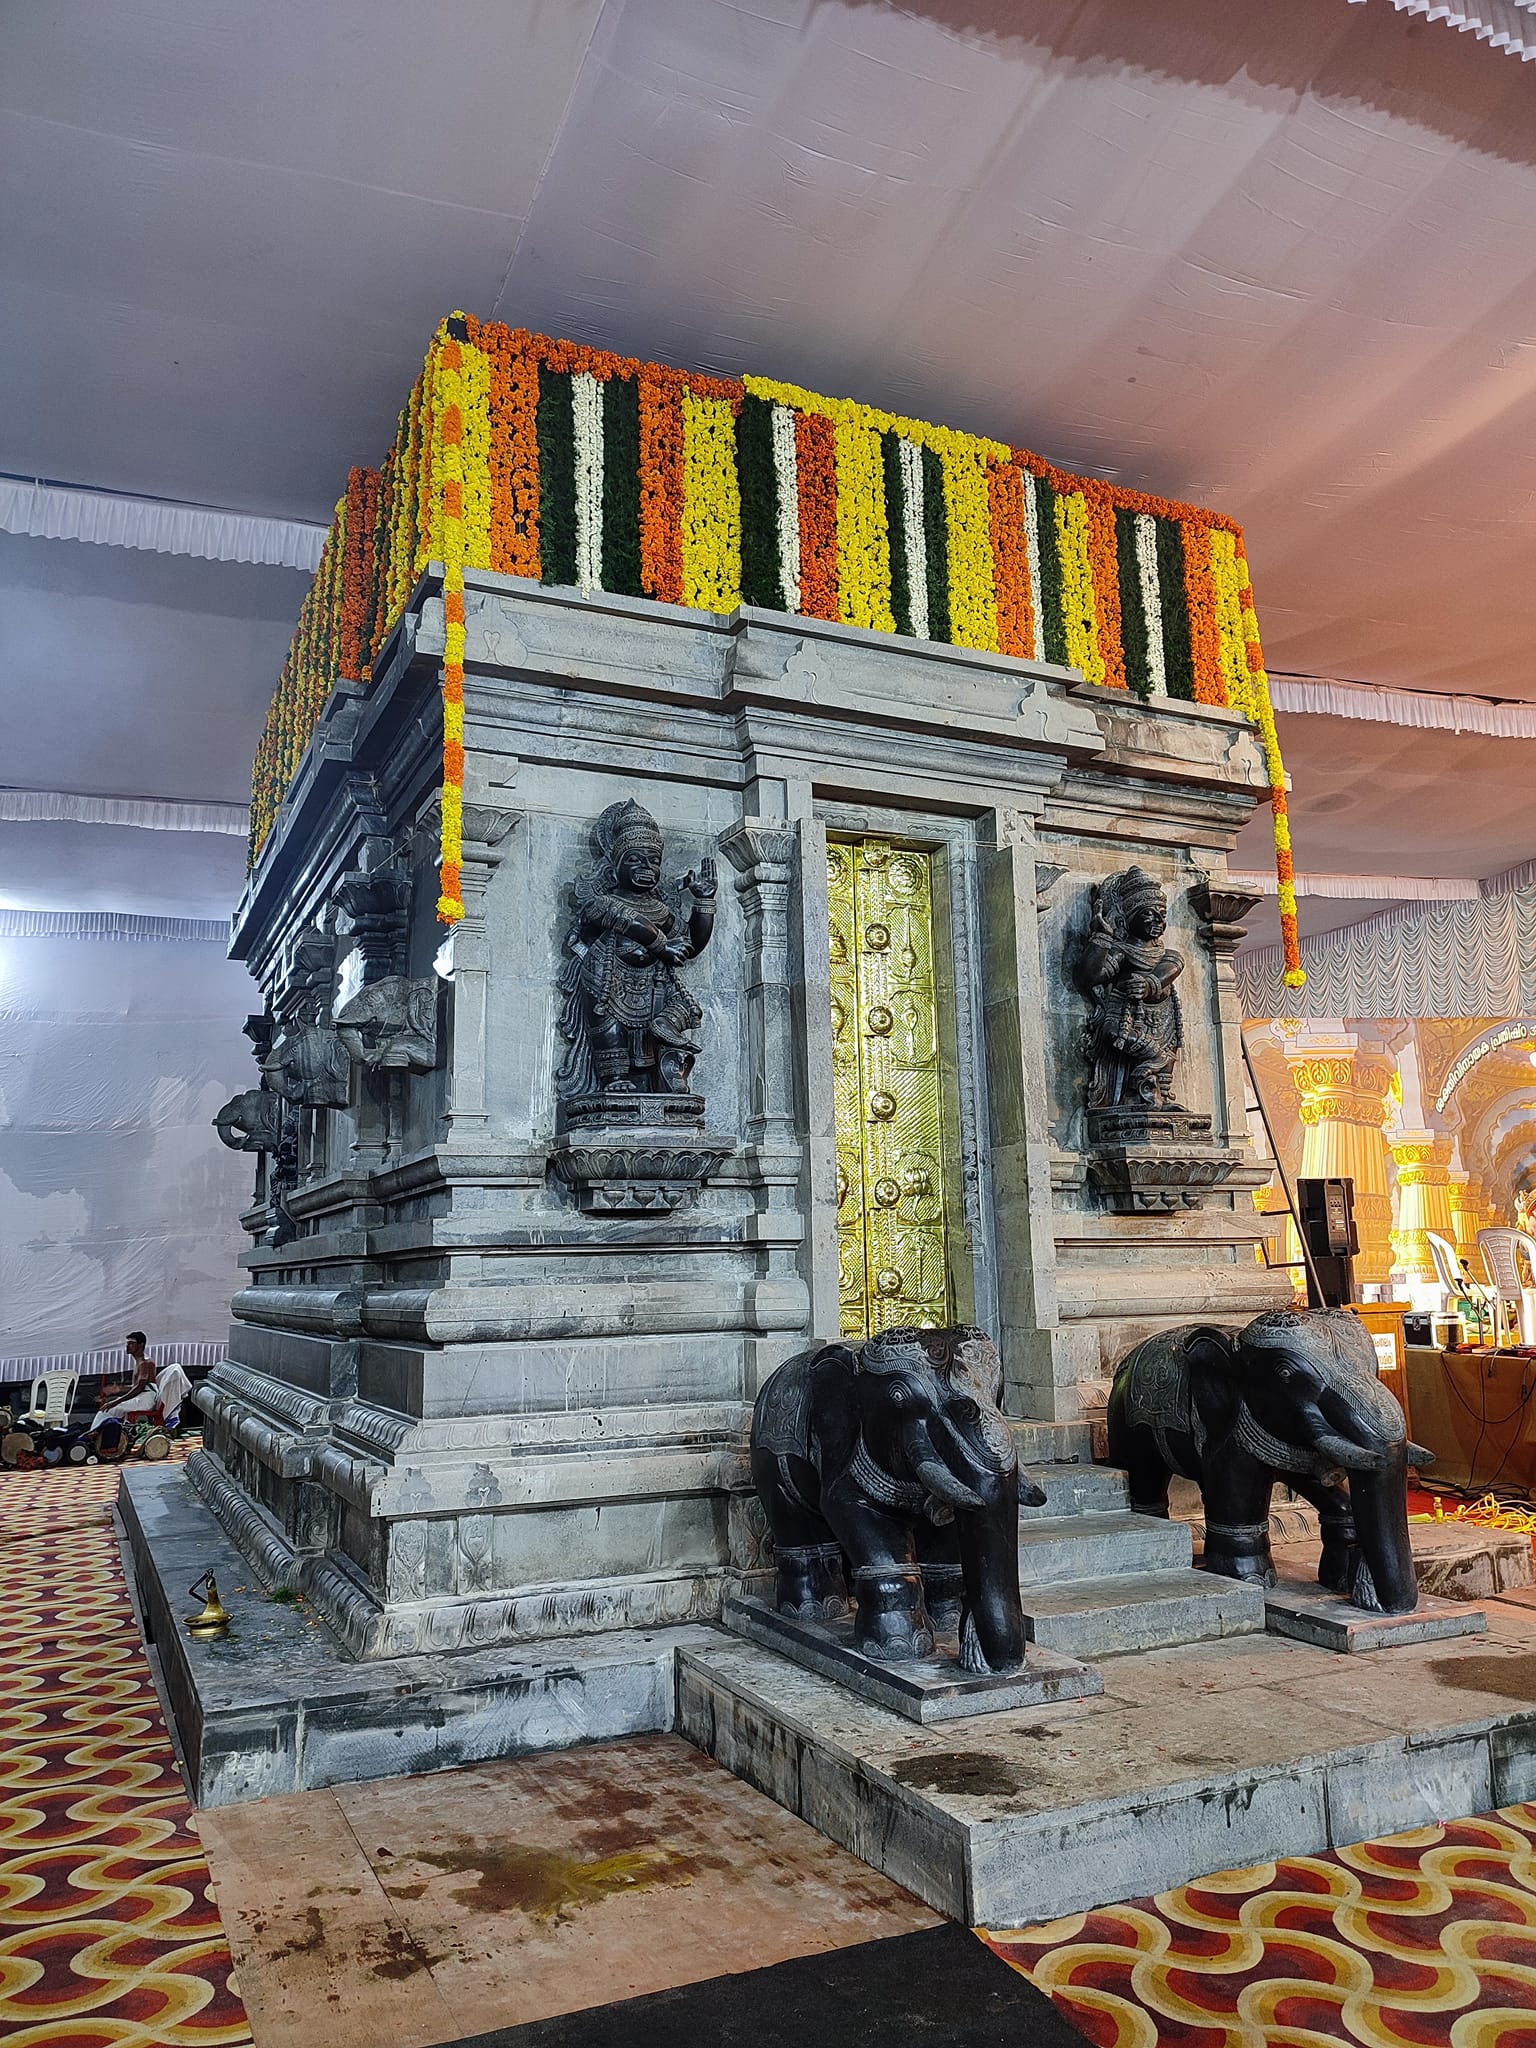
column 1385, row 1580
column 992, row 1623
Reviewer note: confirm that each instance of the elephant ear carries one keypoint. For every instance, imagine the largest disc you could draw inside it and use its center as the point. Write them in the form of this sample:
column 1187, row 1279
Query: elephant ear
column 1212, row 1359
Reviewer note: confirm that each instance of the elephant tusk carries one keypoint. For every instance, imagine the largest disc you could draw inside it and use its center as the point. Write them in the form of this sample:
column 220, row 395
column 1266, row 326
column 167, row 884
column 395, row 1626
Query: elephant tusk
column 1353, row 1457
column 938, row 1480
column 1417, row 1455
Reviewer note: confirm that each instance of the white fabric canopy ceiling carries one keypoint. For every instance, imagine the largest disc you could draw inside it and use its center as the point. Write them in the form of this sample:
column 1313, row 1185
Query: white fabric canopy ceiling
column 1273, row 255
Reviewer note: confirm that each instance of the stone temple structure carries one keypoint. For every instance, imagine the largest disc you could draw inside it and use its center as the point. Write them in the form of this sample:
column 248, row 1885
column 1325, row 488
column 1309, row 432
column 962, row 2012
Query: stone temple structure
column 766, row 1019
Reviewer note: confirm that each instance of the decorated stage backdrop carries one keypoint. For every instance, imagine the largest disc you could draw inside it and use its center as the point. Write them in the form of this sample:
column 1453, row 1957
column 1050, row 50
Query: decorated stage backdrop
column 545, row 459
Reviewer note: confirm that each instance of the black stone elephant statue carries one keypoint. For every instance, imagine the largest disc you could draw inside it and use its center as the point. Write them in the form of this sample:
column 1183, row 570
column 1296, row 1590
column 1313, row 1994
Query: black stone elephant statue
column 889, row 1467
column 1293, row 1396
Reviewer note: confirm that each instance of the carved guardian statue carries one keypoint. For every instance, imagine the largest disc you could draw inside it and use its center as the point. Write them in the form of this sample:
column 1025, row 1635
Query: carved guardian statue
column 1134, row 1032
column 629, row 1022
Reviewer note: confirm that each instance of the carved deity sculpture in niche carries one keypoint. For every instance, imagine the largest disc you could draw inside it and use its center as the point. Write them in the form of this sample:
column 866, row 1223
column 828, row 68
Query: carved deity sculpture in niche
column 1134, row 1032
column 629, row 1022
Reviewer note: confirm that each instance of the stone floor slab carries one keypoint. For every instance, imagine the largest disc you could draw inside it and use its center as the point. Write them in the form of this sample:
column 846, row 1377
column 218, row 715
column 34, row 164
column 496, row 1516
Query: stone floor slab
column 925, row 1689
column 502, row 1894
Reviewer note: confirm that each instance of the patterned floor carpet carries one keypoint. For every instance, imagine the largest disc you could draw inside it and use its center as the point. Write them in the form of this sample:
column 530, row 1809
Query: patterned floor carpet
column 1425, row 1940
column 109, row 1937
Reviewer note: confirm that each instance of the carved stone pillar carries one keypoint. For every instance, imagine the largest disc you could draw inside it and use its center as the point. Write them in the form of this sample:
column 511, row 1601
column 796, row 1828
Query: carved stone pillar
column 1423, row 1164
column 762, row 851
column 487, row 827
column 1343, row 1098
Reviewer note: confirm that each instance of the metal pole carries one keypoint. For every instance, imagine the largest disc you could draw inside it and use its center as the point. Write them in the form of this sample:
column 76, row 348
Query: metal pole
column 1290, row 1199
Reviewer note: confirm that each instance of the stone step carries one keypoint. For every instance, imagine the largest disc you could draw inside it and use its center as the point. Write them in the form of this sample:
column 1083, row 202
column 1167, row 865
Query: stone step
column 1100, row 1546
column 1089, row 1618
column 1075, row 1490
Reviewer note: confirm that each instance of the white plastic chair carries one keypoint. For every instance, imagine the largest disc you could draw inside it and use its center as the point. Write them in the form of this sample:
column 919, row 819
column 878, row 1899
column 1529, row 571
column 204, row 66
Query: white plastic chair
column 1448, row 1271
column 52, row 1393
column 1503, row 1253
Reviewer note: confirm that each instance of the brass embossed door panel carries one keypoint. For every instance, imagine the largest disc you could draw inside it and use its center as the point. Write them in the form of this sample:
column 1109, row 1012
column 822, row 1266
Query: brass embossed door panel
column 887, row 1090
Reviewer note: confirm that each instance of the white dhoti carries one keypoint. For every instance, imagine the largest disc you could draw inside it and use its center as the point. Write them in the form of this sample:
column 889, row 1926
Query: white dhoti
column 124, row 1411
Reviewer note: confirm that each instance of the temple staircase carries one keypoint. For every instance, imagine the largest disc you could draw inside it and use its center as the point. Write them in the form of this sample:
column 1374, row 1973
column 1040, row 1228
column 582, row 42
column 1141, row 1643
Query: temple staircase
column 1097, row 1579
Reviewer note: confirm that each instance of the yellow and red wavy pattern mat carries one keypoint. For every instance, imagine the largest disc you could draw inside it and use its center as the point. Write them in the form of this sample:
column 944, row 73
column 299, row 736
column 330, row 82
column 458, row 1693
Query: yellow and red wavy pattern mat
column 109, row 1935
column 1423, row 1940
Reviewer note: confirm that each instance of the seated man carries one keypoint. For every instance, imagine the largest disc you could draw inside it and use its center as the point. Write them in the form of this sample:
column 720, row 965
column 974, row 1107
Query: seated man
column 157, row 1391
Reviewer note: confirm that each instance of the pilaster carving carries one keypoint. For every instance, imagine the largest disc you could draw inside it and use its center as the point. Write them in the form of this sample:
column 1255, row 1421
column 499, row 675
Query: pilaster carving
column 762, row 851
column 487, row 829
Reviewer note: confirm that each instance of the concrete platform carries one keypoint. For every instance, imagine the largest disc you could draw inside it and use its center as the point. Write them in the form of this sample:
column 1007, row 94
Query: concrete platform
column 927, row 1689
column 1212, row 1756
column 279, row 1706
column 1301, row 1608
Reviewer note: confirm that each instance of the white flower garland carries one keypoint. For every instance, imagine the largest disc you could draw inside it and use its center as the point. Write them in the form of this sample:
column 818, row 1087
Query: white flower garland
column 913, row 540
column 1151, row 601
column 587, row 422
column 787, row 481
column 1032, row 548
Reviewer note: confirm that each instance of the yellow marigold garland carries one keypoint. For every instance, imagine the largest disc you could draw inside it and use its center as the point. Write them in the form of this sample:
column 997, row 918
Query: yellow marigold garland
column 972, row 579
column 1079, row 609
column 863, row 544
column 711, row 505
column 449, row 394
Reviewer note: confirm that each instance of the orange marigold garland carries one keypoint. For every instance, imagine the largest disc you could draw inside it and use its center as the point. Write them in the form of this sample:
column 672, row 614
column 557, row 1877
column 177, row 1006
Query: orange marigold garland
column 1005, row 497
column 514, row 449
column 356, row 650
column 661, row 483
column 1104, row 565
column 816, row 484
column 1204, row 644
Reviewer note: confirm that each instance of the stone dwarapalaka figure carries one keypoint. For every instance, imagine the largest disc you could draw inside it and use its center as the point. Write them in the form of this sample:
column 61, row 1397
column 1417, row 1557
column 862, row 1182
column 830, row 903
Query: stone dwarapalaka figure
column 629, row 1021
column 1134, row 1034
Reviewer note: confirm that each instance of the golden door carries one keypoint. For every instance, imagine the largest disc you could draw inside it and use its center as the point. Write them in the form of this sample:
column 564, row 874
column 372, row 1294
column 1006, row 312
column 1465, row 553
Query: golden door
column 887, row 1090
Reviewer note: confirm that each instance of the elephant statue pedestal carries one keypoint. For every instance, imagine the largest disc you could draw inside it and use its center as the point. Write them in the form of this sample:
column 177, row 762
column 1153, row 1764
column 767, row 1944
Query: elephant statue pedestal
column 932, row 1687
column 890, row 1482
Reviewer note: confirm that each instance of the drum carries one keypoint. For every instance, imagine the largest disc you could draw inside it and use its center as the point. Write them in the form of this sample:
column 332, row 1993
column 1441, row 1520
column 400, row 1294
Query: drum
column 156, row 1446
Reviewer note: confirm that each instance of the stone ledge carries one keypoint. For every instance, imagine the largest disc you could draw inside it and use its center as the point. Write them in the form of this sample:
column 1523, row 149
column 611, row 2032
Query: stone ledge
column 279, row 1706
